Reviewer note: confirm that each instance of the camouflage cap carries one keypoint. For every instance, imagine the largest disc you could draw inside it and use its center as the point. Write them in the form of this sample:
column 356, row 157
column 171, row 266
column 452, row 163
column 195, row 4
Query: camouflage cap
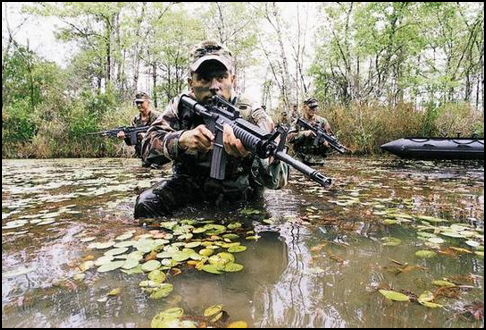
column 141, row 97
column 311, row 103
column 211, row 50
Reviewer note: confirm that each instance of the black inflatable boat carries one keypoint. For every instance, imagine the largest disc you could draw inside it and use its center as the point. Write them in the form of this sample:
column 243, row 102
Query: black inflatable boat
column 437, row 148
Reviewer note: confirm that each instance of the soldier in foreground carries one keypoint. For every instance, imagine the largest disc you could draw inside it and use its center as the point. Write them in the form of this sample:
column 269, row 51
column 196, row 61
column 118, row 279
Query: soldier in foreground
column 181, row 137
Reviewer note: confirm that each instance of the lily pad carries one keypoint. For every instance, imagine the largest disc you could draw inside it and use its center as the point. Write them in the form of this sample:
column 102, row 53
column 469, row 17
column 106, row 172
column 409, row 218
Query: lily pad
column 395, row 296
column 391, row 241
column 425, row 254
column 210, row 311
column 211, row 269
column 114, row 252
column 235, row 249
column 150, row 265
column 108, row 267
column 163, row 291
column 232, row 267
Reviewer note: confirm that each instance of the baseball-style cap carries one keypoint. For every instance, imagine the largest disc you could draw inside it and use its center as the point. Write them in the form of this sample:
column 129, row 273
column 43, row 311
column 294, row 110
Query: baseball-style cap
column 311, row 103
column 211, row 50
column 141, row 97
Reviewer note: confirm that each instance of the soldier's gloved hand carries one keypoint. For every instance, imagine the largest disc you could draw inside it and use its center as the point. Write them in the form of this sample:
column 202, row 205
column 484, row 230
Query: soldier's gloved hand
column 140, row 136
column 232, row 145
column 309, row 133
column 197, row 139
column 121, row 135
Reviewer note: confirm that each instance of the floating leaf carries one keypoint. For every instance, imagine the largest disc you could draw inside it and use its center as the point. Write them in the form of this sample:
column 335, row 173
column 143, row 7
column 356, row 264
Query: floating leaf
column 108, row 267
column 192, row 245
column 211, row 269
column 130, row 263
column 443, row 283
column 236, row 249
column 472, row 243
column 181, row 256
column 395, row 296
column 430, row 304
column 114, row 252
column 391, row 241
column 235, row 225
column 157, row 276
column 150, row 265
column 105, row 245
column 163, row 291
column 232, row 267
column 217, row 317
column 425, row 254
column 436, row 240
column 114, row 292
column 210, row 311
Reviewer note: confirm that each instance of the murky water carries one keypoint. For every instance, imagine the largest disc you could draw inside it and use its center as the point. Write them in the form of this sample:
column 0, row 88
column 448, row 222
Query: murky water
column 320, row 259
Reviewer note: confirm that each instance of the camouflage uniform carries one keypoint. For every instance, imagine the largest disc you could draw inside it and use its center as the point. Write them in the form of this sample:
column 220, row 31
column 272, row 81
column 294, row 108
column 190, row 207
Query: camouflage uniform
column 245, row 177
column 303, row 146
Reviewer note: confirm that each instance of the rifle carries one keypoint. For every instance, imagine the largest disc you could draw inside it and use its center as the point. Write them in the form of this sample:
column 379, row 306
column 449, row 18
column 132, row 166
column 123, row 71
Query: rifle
column 259, row 142
column 322, row 136
column 130, row 131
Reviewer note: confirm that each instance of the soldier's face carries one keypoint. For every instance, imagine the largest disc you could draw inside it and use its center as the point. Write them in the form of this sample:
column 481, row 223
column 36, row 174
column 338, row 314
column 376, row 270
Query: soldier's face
column 211, row 79
column 142, row 106
column 311, row 112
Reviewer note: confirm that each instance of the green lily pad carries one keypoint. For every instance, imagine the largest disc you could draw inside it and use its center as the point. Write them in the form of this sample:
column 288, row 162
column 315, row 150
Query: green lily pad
column 211, row 269
column 108, row 267
column 157, row 276
column 210, row 311
column 395, row 296
column 391, row 241
column 425, row 254
column 235, row 249
column 181, row 256
column 150, row 265
column 114, row 252
column 163, row 291
column 130, row 263
column 232, row 267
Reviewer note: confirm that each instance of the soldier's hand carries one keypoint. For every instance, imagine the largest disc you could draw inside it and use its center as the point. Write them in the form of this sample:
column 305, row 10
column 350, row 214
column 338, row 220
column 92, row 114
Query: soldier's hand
column 232, row 145
column 198, row 139
column 309, row 133
column 121, row 135
column 140, row 136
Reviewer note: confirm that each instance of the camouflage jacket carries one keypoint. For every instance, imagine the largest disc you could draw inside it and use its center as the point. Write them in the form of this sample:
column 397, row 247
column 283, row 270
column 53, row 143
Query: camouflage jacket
column 137, row 120
column 161, row 145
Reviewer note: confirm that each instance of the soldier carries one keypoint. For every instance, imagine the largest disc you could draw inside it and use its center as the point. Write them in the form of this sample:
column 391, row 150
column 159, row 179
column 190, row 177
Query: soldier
column 295, row 113
column 180, row 136
column 145, row 118
column 285, row 120
column 302, row 141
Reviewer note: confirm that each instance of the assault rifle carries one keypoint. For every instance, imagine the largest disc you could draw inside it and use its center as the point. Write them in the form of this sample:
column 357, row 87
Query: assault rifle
column 131, row 133
column 259, row 142
column 322, row 136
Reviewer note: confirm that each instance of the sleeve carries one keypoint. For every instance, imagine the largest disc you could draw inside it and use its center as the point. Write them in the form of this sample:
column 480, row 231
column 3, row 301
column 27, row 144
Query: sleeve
column 270, row 175
column 161, row 143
